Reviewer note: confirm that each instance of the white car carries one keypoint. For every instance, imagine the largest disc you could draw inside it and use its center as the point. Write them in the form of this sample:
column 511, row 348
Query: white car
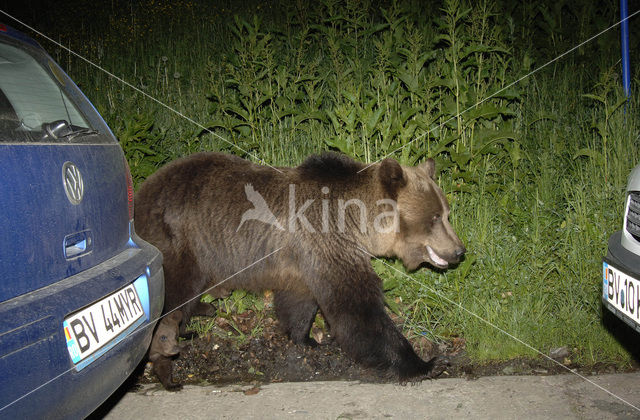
column 621, row 266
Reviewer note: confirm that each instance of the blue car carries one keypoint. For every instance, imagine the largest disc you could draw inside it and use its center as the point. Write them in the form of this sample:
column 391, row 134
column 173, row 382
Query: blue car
column 79, row 292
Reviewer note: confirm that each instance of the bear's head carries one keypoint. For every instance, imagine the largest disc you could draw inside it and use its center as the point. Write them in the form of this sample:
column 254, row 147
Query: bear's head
column 165, row 338
column 423, row 233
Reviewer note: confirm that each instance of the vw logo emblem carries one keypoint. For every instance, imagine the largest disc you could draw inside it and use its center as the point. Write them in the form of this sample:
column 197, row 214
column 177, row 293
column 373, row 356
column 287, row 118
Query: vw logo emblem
column 73, row 184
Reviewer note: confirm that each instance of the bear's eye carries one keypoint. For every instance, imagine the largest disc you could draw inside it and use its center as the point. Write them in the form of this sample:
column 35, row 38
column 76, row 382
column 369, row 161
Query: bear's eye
column 163, row 338
column 436, row 218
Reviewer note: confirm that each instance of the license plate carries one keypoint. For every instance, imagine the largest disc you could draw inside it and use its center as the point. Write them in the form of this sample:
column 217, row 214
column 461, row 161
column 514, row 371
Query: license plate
column 98, row 327
column 621, row 291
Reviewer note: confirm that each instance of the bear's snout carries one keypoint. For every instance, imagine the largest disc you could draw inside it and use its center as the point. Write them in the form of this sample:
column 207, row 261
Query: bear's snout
column 460, row 251
column 454, row 256
column 443, row 258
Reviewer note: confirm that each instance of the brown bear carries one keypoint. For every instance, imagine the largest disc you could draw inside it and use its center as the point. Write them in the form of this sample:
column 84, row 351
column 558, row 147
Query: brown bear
column 164, row 346
column 308, row 233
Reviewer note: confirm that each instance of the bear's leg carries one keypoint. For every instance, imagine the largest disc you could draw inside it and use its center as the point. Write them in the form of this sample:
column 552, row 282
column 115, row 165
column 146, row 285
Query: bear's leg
column 184, row 283
column 359, row 322
column 162, row 367
column 296, row 312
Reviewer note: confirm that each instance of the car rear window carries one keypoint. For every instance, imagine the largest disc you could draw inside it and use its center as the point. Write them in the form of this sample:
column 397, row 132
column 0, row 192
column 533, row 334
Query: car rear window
column 33, row 104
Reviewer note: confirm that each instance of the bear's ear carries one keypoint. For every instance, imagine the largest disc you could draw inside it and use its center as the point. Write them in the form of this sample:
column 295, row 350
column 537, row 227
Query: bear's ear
column 392, row 175
column 429, row 168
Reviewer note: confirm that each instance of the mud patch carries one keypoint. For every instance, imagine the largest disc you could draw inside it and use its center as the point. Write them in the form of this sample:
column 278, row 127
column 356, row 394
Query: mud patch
column 248, row 348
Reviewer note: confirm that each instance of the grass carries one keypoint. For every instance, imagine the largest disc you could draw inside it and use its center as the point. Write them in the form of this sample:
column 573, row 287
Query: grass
column 535, row 174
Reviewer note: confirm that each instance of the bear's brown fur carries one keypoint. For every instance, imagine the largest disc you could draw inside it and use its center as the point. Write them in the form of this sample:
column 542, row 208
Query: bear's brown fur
column 164, row 346
column 326, row 218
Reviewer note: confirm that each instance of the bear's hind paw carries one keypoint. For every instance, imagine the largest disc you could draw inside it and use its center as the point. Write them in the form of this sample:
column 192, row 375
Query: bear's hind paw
column 173, row 386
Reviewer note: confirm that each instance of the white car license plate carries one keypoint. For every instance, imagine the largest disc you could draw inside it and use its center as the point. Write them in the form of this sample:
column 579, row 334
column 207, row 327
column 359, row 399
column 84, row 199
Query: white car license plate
column 97, row 326
column 622, row 291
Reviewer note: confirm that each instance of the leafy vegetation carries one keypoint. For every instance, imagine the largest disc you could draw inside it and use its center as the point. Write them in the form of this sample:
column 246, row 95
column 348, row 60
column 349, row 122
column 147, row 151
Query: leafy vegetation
column 535, row 170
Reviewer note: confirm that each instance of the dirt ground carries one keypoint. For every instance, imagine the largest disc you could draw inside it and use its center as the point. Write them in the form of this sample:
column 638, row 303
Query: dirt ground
column 249, row 348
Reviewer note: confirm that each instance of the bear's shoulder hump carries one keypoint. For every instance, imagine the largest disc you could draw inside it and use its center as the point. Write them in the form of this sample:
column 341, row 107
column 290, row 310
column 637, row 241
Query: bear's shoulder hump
column 329, row 165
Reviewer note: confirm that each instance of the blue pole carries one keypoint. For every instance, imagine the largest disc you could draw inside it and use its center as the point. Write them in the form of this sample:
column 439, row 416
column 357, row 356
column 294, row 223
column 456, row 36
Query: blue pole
column 624, row 37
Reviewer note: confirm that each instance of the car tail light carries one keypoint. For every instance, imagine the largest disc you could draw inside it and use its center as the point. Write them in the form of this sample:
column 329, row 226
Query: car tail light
column 129, row 188
column 633, row 215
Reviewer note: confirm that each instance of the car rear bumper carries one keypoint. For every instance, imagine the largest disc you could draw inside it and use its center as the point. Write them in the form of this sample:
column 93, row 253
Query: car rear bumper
column 622, row 257
column 627, row 262
column 34, row 348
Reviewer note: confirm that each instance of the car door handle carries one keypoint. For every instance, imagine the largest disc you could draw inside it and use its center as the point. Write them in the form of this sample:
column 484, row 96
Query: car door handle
column 78, row 244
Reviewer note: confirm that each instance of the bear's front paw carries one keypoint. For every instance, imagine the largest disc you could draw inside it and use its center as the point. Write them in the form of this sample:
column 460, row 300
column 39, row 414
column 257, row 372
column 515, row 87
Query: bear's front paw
column 438, row 365
column 416, row 373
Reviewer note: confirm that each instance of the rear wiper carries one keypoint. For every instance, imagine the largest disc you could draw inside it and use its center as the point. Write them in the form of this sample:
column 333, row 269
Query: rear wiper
column 60, row 129
column 82, row 132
